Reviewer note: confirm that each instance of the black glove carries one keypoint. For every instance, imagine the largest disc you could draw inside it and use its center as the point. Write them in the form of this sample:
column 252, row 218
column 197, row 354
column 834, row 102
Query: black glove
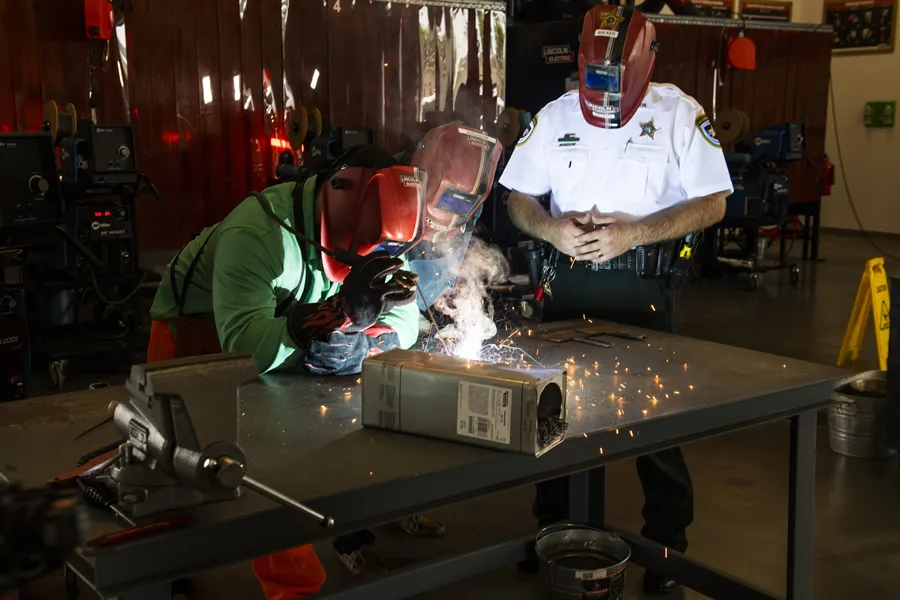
column 364, row 296
column 342, row 353
column 367, row 294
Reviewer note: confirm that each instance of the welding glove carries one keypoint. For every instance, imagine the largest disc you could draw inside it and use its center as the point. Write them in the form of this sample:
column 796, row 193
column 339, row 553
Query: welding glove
column 364, row 296
column 367, row 292
column 341, row 353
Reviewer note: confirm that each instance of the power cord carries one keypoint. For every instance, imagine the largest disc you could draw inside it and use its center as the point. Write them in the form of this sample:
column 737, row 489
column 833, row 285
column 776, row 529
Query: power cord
column 840, row 157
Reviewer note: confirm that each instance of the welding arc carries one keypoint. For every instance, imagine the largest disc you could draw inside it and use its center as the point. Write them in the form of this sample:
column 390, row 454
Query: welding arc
column 277, row 496
column 437, row 329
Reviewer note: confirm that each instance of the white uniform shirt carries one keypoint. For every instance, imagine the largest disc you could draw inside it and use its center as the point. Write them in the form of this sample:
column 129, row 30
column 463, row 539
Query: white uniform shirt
column 667, row 153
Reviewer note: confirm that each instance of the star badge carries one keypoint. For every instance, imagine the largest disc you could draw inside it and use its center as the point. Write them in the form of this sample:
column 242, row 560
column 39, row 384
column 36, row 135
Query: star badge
column 649, row 129
column 611, row 22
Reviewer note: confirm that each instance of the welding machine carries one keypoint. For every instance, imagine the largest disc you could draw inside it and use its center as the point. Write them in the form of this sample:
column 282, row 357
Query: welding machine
column 15, row 352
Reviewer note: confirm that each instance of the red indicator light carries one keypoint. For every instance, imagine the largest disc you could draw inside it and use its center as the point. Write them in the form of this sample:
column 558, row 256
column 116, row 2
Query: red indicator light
column 98, row 214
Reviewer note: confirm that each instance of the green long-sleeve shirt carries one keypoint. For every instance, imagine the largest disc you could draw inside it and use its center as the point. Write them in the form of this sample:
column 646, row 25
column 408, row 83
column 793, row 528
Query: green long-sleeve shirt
column 248, row 266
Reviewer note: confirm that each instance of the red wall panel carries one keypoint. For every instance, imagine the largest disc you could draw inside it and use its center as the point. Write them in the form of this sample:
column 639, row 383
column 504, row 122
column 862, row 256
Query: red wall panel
column 377, row 66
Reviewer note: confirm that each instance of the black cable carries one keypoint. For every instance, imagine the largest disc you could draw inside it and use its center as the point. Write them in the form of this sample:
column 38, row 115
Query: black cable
column 86, row 458
column 840, row 157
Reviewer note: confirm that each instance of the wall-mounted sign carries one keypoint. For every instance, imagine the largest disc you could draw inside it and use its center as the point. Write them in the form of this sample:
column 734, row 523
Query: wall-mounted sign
column 862, row 25
column 767, row 10
column 880, row 114
column 721, row 9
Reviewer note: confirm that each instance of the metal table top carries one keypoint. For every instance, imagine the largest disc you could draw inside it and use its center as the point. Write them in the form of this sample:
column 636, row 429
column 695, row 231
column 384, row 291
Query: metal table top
column 303, row 437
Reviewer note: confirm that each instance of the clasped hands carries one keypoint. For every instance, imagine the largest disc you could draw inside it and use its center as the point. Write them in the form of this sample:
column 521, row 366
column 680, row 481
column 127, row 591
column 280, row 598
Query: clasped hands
column 592, row 236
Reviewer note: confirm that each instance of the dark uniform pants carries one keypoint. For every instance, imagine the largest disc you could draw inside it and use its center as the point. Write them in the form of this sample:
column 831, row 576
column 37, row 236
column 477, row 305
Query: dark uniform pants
column 625, row 298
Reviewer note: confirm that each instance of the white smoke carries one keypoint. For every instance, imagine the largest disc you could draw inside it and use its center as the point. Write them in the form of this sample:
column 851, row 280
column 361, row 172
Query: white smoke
column 468, row 303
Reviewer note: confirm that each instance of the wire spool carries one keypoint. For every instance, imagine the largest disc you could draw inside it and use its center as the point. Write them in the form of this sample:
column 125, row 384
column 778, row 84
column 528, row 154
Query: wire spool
column 509, row 126
column 305, row 125
column 732, row 126
column 60, row 123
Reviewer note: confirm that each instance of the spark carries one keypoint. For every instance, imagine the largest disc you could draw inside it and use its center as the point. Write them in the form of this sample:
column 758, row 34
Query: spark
column 622, row 385
column 359, row 380
column 612, row 396
column 577, row 399
column 617, row 432
column 645, row 412
column 615, row 371
column 676, row 392
column 690, row 387
column 583, row 317
column 653, row 308
column 631, row 433
column 587, row 373
column 626, row 369
column 347, row 395
column 584, row 434
column 590, row 321
column 243, row 414
column 571, row 263
column 665, row 552
column 510, row 337
column 529, row 333
column 667, row 361
column 784, row 366
column 648, row 368
column 685, row 366
column 353, row 420
column 660, row 386
column 324, row 408
column 601, row 450
column 596, row 365
column 370, row 473
column 621, row 412
column 537, row 352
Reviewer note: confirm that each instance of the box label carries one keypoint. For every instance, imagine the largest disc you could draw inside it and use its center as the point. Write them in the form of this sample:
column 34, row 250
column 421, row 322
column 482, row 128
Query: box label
column 483, row 412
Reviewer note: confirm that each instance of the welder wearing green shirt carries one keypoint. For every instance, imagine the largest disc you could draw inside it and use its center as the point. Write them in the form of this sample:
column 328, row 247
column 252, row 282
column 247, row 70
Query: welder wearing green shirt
column 266, row 282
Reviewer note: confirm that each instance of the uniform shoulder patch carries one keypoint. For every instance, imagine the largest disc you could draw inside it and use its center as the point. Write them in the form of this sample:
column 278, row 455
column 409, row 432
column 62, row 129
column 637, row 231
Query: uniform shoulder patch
column 528, row 131
column 706, row 130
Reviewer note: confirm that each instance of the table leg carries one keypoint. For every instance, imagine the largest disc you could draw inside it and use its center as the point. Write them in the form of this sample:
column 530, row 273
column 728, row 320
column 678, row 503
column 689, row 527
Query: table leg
column 587, row 497
column 801, row 507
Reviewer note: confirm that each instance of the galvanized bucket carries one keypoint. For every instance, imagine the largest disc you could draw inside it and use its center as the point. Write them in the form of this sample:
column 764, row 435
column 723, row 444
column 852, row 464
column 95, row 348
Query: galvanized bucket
column 580, row 562
column 861, row 420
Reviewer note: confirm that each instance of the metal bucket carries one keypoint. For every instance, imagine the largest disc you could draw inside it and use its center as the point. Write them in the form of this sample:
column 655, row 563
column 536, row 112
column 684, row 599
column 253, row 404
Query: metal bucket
column 861, row 420
column 580, row 563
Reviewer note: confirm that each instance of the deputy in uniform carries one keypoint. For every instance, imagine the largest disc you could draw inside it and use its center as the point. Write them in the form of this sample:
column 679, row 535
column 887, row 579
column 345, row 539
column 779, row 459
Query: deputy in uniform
column 632, row 167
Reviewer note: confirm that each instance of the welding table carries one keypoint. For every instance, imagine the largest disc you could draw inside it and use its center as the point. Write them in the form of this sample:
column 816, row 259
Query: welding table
column 303, row 437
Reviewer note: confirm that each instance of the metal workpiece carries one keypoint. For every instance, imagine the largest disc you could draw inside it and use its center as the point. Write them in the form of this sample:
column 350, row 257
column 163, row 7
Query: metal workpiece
column 494, row 405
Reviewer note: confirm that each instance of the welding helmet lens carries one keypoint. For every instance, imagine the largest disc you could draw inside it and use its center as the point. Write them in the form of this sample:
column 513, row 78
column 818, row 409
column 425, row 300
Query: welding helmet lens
column 603, row 78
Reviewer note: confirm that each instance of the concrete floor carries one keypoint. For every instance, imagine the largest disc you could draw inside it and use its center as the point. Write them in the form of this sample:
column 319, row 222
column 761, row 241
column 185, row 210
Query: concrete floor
column 740, row 478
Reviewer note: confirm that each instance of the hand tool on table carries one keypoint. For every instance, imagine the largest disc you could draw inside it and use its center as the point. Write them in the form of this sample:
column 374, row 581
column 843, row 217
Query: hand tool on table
column 170, row 461
column 570, row 335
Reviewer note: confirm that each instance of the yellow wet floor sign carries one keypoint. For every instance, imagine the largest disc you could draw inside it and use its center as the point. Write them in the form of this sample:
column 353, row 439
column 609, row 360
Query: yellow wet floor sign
column 871, row 297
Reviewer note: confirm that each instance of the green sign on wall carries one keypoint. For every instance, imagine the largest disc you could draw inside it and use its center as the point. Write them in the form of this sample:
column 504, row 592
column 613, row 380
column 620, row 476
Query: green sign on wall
column 880, row 114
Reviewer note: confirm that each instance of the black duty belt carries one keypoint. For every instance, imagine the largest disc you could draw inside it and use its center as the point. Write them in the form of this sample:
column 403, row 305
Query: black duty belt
column 666, row 260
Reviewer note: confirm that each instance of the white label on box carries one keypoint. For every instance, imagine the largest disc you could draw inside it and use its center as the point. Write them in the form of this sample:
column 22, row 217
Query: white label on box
column 590, row 575
column 483, row 412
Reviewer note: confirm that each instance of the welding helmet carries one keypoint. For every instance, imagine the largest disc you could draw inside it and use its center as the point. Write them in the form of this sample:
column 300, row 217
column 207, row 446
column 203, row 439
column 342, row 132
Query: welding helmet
column 615, row 62
column 460, row 163
column 366, row 209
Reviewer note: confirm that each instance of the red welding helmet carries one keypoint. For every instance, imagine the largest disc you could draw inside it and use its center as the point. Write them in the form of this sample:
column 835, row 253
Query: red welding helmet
column 460, row 163
column 615, row 62
column 364, row 210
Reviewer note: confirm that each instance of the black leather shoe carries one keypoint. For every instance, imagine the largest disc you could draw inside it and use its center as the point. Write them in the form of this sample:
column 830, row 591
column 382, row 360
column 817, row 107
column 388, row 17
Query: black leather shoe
column 658, row 584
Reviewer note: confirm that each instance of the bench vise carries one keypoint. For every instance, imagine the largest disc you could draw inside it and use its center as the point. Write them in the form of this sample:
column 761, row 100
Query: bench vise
column 169, row 460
